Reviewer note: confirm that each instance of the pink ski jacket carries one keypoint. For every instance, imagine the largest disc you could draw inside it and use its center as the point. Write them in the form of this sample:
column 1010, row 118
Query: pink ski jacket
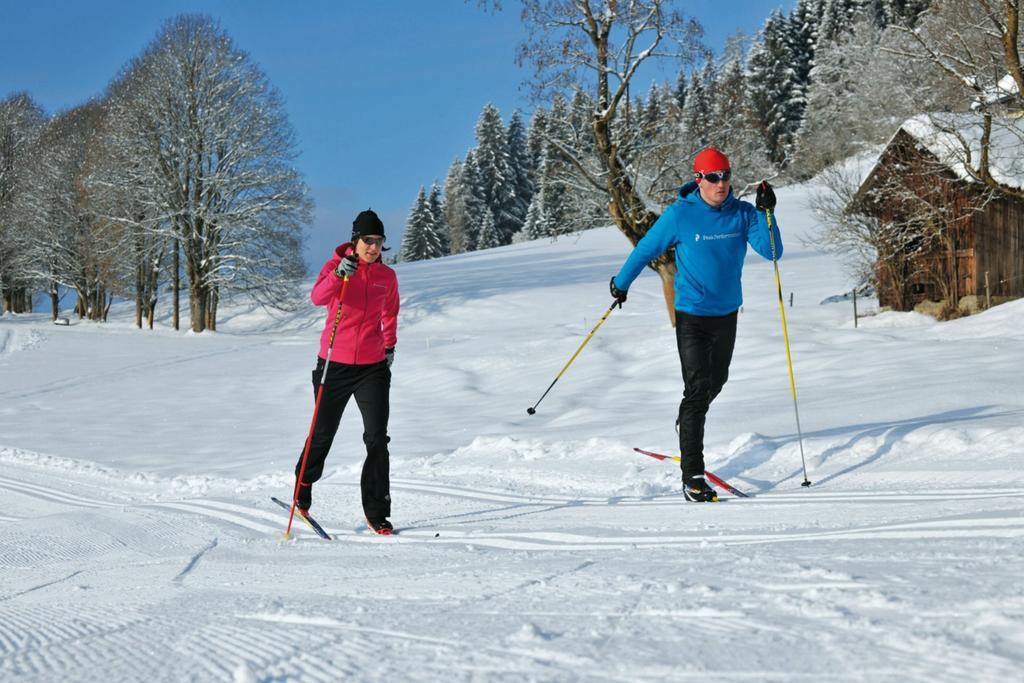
column 369, row 314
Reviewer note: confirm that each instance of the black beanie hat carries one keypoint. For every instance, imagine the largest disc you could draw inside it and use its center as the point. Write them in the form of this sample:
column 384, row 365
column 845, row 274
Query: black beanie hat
column 367, row 223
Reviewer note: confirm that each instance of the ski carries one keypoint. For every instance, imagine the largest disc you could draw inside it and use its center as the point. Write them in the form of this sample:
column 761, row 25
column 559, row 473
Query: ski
column 304, row 516
column 723, row 484
column 712, row 477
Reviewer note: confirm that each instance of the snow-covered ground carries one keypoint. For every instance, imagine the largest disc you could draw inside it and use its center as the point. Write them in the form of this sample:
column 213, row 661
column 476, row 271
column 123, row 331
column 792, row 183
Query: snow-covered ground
column 139, row 542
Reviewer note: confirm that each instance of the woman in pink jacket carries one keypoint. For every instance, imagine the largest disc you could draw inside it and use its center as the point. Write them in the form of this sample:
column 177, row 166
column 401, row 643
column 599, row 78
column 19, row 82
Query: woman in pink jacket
column 360, row 365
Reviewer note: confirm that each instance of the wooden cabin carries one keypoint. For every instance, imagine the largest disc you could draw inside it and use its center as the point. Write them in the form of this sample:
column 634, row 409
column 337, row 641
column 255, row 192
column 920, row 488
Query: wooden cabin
column 968, row 235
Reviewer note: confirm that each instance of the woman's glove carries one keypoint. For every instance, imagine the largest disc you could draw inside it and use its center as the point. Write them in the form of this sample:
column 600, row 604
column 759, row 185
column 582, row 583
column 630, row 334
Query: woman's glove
column 347, row 266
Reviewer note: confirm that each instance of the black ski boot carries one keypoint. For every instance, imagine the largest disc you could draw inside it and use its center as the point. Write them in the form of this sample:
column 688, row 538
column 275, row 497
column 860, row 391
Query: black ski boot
column 305, row 499
column 381, row 527
column 696, row 490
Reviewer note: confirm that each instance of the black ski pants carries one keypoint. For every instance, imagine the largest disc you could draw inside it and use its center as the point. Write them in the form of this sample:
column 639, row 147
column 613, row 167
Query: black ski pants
column 705, row 352
column 371, row 386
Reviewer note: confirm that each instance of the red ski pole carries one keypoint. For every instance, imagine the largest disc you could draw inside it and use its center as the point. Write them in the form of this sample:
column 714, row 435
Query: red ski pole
column 316, row 409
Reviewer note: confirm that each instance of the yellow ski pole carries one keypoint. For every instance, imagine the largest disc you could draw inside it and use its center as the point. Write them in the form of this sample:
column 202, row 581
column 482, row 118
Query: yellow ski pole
column 531, row 411
column 785, row 336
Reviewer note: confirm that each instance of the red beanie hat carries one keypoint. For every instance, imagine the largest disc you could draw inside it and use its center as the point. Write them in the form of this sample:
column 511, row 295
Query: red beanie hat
column 710, row 160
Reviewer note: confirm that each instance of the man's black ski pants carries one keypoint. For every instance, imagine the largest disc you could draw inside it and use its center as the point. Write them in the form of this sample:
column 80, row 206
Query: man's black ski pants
column 705, row 352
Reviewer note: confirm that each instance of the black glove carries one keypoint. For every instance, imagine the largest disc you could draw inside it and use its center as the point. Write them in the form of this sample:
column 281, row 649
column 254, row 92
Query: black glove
column 347, row 266
column 765, row 197
column 389, row 356
column 617, row 294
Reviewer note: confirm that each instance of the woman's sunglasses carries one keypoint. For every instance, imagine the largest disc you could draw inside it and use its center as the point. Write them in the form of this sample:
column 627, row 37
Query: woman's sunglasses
column 373, row 241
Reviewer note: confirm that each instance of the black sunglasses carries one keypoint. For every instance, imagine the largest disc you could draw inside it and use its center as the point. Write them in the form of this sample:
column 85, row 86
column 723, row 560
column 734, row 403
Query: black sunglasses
column 715, row 178
column 373, row 241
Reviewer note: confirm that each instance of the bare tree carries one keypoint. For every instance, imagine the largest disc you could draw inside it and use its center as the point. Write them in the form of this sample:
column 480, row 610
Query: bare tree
column 599, row 45
column 872, row 249
column 214, row 131
column 66, row 244
column 21, row 122
column 125, row 191
column 845, row 113
column 978, row 44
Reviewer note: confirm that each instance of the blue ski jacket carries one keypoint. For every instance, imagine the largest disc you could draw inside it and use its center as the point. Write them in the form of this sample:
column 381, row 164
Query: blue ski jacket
column 711, row 244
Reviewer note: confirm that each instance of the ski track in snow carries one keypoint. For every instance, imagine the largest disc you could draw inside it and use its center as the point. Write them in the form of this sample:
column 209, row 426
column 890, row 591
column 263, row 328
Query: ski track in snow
column 204, row 546
column 504, row 507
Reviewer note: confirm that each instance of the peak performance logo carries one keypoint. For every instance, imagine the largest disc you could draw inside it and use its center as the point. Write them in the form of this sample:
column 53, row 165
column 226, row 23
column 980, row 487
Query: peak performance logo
column 729, row 235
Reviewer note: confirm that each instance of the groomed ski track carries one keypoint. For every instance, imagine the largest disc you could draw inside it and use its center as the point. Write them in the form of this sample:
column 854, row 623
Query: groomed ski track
column 212, row 582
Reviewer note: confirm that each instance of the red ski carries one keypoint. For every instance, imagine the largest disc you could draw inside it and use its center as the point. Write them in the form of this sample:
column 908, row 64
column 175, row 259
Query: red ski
column 711, row 476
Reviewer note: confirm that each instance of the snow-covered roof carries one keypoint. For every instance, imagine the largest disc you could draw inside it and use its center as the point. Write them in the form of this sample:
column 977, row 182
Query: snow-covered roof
column 950, row 137
column 1005, row 89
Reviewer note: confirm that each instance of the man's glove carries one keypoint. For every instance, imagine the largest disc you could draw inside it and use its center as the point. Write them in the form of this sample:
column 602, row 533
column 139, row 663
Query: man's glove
column 765, row 197
column 347, row 266
column 617, row 294
column 389, row 356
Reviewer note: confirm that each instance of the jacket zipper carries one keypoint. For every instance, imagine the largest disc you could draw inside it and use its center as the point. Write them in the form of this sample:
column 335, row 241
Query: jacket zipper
column 366, row 301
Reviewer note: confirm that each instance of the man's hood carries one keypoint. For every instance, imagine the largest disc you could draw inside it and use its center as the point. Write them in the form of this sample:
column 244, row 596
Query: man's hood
column 687, row 189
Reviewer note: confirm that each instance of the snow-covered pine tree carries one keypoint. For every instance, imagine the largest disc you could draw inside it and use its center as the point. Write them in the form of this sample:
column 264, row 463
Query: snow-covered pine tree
column 534, row 228
column 496, row 174
column 682, row 85
column 488, row 233
column 437, row 215
column 581, row 110
column 522, row 167
column 651, row 113
column 837, row 20
column 770, row 80
column 696, row 121
column 842, row 114
column 802, row 37
column 876, row 11
column 554, row 170
column 586, row 206
column 455, row 209
column 735, row 132
column 474, row 200
column 420, row 241
column 535, row 141
column 906, row 12
column 664, row 149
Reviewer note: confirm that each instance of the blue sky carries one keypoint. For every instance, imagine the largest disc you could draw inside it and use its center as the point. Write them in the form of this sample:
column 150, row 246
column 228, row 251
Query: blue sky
column 382, row 95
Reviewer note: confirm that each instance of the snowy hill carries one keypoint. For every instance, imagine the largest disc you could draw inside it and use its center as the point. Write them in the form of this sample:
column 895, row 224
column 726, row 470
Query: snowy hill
column 139, row 540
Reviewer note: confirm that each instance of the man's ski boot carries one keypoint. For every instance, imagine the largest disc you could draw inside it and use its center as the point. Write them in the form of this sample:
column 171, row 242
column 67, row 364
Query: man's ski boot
column 305, row 498
column 696, row 490
column 380, row 526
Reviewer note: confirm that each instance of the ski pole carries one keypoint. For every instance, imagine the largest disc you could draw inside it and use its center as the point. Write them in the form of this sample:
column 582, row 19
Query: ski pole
column 316, row 409
column 531, row 411
column 785, row 336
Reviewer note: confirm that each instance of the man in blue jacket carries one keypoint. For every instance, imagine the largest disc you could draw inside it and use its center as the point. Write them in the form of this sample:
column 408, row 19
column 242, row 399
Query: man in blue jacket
column 710, row 230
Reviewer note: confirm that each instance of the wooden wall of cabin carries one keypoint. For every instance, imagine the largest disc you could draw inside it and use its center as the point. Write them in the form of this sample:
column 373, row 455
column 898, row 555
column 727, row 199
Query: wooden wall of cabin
column 1000, row 248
